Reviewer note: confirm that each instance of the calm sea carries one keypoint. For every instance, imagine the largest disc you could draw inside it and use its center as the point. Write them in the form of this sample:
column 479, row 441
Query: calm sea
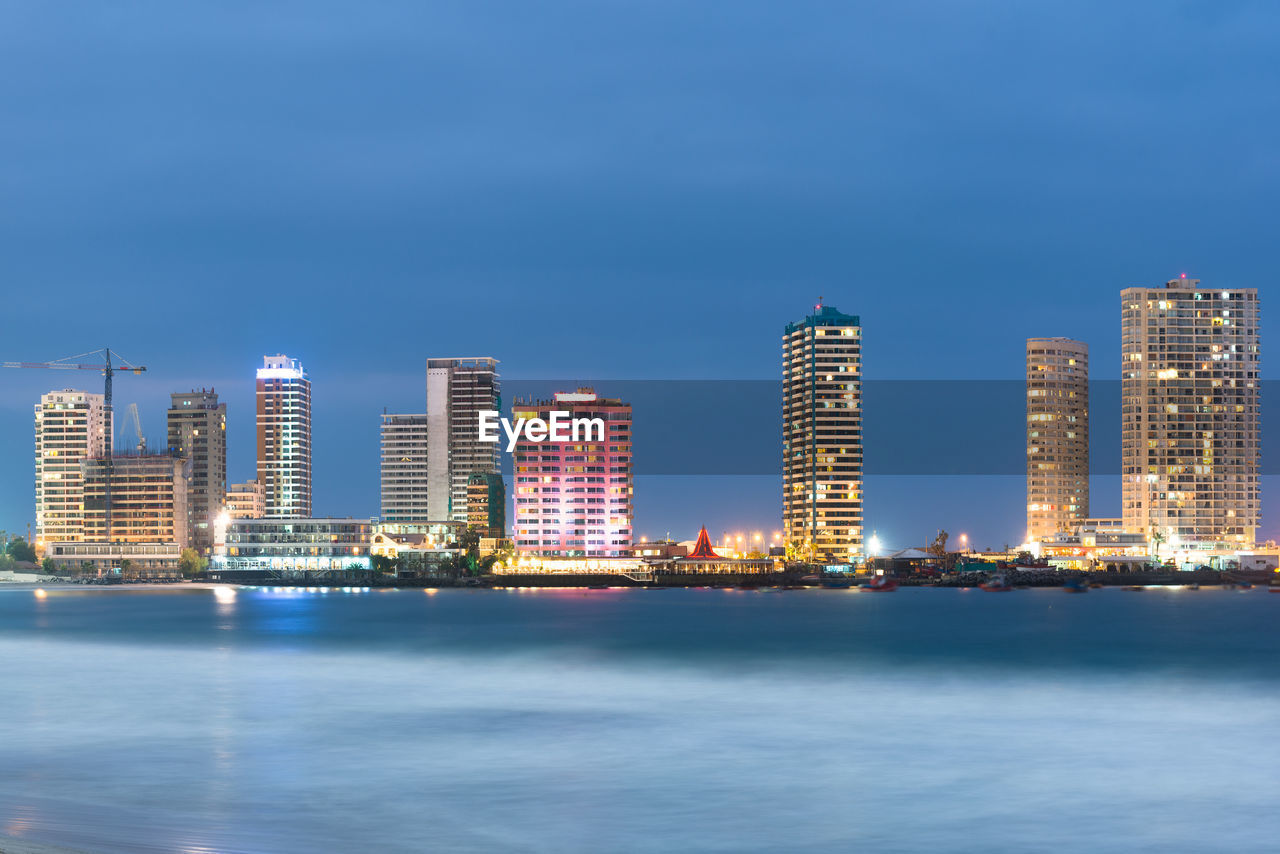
column 184, row 720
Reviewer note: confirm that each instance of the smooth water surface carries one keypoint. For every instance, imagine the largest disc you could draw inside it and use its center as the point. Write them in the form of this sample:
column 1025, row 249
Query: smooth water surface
column 193, row 719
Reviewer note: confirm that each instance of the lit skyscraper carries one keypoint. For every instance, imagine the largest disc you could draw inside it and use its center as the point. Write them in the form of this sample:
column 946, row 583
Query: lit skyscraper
column 198, row 431
column 284, row 437
column 573, row 498
column 457, row 391
column 1057, row 435
column 71, row 426
column 822, row 436
column 1190, row 415
column 404, row 468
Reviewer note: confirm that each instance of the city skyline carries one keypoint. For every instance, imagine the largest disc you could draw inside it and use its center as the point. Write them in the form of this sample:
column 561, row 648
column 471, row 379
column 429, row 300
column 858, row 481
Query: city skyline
column 892, row 519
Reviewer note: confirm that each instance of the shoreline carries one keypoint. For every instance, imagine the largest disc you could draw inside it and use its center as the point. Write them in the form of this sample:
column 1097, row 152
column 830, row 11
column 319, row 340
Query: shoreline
column 614, row 582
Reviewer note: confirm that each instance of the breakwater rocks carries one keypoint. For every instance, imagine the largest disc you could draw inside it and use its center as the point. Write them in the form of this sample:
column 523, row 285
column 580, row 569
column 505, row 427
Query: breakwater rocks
column 1057, row 578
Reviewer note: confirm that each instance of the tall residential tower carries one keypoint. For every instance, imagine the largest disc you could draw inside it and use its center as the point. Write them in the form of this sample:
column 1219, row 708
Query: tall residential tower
column 573, row 497
column 822, row 436
column 284, row 437
column 1190, row 419
column 71, row 426
column 1057, row 435
column 198, row 431
column 457, row 391
column 404, row 468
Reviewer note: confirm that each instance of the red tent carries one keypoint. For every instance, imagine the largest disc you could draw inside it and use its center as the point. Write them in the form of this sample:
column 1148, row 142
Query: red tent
column 702, row 548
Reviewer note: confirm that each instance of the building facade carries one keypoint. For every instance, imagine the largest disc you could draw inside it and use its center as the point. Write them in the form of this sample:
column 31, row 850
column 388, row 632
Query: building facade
column 1057, row 436
column 458, row 390
column 487, row 505
column 132, row 560
column 295, row 546
column 404, row 468
column 822, row 436
column 148, row 498
column 70, row 426
column 1190, row 414
column 574, row 498
column 284, row 437
column 197, row 425
column 246, row 500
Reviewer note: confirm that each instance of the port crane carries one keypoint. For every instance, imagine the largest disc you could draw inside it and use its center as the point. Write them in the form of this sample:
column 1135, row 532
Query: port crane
column 108, row 369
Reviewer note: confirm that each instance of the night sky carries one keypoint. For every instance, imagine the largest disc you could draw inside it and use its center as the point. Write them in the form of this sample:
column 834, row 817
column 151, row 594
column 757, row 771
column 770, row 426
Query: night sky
column 615, row 190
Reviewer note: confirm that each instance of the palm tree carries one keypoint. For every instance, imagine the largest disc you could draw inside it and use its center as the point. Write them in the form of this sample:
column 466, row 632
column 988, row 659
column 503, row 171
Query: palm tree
column 1156, row 539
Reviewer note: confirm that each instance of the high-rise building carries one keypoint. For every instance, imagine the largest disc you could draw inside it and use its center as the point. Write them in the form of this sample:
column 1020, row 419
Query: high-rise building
column 148, row 498
column 487, row 505
column 822, row 436
column 1190, row 417
column 458, row 390
column 198, row 431
column 1057, row 436
column 404, row 468
column 573, row 498
column 246, row 500
column 70, row 426
column 284, row 437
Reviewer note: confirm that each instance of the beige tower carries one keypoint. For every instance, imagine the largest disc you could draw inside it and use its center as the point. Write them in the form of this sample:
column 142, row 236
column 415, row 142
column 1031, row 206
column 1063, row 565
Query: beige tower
column 404, row 468
column 458, row 390
column 1190, row 383
column 1057, row 435
column 197, row 425
column 70, row 426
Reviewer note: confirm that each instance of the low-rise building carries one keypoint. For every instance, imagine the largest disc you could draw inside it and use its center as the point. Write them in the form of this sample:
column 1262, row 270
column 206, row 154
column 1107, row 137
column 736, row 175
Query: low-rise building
column 1101, row 536
column 291, row 546
column 246, row 500
column 132, row 560
column 659, row 549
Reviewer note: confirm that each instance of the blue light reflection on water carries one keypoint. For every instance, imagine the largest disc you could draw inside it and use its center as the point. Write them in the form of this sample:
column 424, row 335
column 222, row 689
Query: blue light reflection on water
column 286, row 720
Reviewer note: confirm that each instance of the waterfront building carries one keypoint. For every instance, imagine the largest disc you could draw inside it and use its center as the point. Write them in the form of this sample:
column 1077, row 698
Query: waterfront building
column 246, row 500
column 131, row 560
column 1057, row 436
column 295, row 546
column 573, row 498
column 70, row 426
column 1190, row 415
column 1096, row 536
column 487, row 505
column 654, row 549
column 458, row 390
column 149, row 498
column 438, row 533
column 822, row 436
column 284, row 437
column 404, row 468
column 197, row 430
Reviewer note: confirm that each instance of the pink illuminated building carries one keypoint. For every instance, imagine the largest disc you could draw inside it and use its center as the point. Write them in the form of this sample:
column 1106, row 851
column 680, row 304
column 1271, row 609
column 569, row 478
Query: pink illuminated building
column 573, row 497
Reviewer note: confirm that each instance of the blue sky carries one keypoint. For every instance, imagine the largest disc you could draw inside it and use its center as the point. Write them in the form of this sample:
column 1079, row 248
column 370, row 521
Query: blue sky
column 614, row 190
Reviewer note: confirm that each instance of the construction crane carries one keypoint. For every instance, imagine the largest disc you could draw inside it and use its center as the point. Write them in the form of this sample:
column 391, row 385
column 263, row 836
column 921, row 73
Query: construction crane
column 137, row 428
column 71, row 363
